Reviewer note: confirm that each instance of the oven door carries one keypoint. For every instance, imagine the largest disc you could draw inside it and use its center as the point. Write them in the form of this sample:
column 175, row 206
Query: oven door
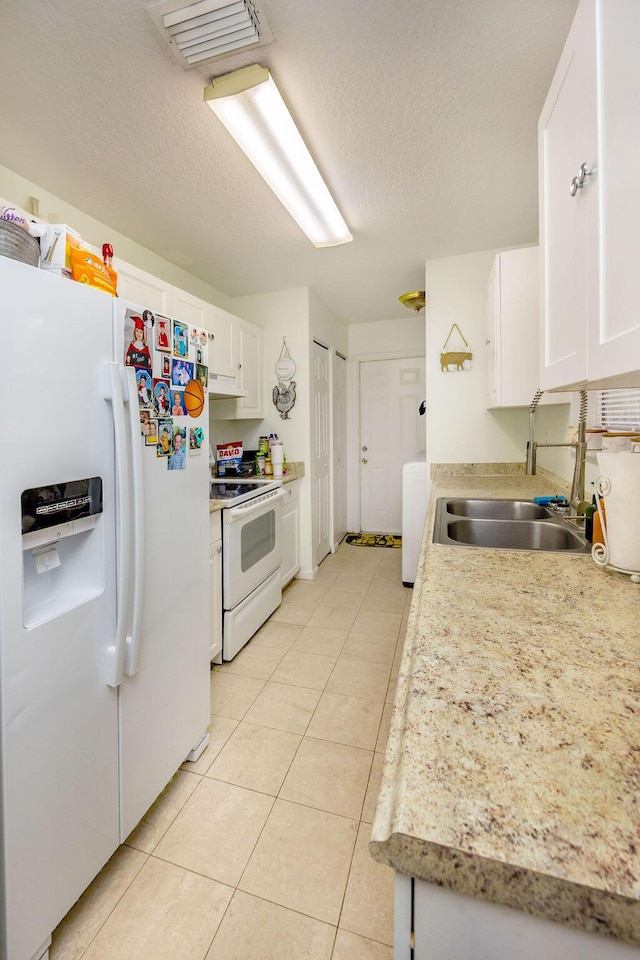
column 251, row 545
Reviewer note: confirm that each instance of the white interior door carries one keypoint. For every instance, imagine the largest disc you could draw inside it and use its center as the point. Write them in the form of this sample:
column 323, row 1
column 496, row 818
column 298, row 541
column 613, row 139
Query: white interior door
column 320, row 433
column 339, row 392
column 391, row 434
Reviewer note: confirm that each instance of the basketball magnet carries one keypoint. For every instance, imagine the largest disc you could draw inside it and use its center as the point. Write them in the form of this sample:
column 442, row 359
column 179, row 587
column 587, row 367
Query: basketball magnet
column 194, row 398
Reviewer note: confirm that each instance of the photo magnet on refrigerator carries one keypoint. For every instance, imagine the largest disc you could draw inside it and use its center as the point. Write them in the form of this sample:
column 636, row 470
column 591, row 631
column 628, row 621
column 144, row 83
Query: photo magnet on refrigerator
column 137, row 353
column 165, row 437
column 144, row 388
column 178, row 456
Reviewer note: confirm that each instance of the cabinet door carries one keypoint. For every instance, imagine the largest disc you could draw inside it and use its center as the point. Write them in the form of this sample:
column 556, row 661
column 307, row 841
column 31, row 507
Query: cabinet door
column 189, row 309
column 248, row 350
column 451, row 926
column 493, row 335
column 222, row 354
column 518, row 330
column 250, row 370
column 567, row 138
column 142, row 288
column 290, row 561
column 614, row 342
column 215, row 599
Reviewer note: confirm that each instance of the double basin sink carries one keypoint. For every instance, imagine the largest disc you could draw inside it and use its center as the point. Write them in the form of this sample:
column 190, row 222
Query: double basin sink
column 504, row 524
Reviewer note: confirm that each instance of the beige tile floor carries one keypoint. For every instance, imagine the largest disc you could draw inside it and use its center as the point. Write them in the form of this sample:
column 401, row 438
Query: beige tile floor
column 259, row 850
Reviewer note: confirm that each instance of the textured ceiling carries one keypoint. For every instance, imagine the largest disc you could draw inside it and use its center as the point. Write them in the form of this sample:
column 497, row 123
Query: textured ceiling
column 421, row 114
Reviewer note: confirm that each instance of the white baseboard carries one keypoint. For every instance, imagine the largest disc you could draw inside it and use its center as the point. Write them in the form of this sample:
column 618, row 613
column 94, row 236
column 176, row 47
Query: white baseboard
column 307, row 574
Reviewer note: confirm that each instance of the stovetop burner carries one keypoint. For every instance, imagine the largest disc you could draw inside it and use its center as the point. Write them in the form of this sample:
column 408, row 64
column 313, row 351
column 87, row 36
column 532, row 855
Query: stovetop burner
column 237, row 491
column 231, row 488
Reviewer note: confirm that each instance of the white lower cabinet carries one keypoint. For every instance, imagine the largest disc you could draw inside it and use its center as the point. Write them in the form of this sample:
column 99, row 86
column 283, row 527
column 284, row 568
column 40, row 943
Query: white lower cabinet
column 290, row 525
column 449, row 926
column 215, row 585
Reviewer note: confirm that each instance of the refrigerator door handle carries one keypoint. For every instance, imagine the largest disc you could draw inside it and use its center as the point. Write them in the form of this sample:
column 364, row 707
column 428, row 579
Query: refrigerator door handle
column 114, row 394
column 133, row 639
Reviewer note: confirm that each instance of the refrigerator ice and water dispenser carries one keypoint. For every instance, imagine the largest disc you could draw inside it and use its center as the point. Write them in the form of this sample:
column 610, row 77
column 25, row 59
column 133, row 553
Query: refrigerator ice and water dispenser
column 62, row 550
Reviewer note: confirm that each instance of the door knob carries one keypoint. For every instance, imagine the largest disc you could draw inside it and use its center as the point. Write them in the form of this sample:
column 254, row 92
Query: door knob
column 364, row 460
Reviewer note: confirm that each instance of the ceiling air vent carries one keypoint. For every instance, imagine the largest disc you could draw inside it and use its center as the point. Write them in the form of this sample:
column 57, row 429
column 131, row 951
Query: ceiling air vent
column 207, row 30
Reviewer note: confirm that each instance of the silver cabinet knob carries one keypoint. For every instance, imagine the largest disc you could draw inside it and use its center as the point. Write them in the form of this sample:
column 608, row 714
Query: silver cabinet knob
column 364, row 449
column 219, row 548
column 364, row 460
column 578, row 182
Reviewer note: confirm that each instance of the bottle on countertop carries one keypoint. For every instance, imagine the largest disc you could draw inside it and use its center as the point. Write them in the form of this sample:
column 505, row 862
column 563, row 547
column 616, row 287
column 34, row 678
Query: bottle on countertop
column 268, row 466
column 598, row 535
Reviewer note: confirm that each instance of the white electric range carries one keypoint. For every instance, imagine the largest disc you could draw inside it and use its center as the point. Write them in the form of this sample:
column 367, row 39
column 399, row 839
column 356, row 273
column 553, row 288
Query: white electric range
column 251, row 556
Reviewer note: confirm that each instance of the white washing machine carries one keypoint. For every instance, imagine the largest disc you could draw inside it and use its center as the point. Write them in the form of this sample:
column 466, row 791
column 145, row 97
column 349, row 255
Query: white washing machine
column 414, row 510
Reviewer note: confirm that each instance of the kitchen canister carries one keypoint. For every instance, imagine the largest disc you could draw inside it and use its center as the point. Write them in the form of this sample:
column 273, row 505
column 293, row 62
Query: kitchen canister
column 619, row 484
column 616, row 441
column 16, row 243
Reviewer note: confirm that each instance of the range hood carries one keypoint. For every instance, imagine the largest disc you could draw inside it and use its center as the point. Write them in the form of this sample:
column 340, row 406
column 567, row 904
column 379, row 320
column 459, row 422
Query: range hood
column 225, row 388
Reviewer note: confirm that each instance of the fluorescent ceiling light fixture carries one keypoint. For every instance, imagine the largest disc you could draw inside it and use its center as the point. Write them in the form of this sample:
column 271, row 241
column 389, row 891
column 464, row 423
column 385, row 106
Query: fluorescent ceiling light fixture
column 250, row 106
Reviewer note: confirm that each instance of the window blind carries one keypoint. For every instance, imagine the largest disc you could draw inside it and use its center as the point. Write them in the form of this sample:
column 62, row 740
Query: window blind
column 618, row 409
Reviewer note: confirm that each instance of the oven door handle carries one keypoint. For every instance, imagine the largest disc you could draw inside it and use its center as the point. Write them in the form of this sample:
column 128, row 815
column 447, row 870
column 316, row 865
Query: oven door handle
column 251, row 507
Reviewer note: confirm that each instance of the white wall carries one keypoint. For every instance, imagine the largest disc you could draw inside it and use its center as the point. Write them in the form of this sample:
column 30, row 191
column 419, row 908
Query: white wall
column 326, row 327
column 459, row 427
column 281, row 314
column 388, row 336
column 17, row 190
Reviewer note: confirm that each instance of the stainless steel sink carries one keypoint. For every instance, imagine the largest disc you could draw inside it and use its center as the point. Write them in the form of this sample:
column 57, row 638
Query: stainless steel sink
column 498, row 509
column 481, row 523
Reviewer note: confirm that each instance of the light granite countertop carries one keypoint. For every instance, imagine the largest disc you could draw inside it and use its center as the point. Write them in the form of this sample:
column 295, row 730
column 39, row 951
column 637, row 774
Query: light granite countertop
column 512, row 770
column 295, row 471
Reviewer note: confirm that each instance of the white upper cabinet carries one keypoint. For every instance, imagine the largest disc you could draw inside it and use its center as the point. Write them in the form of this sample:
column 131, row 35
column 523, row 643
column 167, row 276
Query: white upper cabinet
column 219, row 323
column 248, row 353
column 614, row 341
column 222, row 351
column 513, row 325
column 226, row 343
column 142, row 288
column 589, row 132
column 189, row 309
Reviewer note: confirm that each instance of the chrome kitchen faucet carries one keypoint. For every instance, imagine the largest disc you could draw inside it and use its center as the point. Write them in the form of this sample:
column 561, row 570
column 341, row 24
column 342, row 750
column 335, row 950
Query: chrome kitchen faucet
column 580, row 446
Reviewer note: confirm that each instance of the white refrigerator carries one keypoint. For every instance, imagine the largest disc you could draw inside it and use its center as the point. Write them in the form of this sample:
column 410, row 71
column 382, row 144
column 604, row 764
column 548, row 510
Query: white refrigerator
column 104, row 612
